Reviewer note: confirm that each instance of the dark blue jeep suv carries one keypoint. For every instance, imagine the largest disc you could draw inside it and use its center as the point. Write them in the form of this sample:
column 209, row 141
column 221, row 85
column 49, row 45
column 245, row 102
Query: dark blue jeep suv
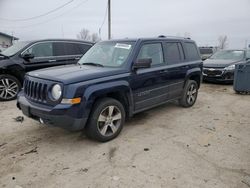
column 114, row 80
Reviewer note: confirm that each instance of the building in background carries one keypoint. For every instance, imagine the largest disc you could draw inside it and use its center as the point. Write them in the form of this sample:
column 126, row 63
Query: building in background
column 6, row 40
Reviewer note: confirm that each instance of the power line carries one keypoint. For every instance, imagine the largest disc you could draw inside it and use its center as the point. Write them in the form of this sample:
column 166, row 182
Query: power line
column 40, row 23
column 38, row 16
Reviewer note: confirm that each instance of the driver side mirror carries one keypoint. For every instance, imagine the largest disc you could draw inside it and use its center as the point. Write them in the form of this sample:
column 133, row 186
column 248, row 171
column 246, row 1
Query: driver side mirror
column 28, row 56
column 142, row 63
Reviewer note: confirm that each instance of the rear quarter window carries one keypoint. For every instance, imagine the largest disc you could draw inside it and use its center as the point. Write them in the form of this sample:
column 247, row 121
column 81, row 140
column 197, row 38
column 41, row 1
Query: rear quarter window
column 191, row 51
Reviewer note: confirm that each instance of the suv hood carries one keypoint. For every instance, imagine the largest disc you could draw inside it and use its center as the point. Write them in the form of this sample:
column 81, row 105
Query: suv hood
column 219, row 63
column 75, row 73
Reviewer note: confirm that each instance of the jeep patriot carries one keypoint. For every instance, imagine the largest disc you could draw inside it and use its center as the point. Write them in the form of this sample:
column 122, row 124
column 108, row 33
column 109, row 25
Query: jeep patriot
column 113, row 81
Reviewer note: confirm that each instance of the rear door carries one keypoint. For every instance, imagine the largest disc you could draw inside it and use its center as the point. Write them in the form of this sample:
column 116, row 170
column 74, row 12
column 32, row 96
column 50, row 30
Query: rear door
column 176, row 67
column 70, row 52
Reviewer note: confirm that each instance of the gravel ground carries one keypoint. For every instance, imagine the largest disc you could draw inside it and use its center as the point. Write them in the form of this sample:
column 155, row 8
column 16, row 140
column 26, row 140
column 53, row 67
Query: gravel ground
column 207, row 145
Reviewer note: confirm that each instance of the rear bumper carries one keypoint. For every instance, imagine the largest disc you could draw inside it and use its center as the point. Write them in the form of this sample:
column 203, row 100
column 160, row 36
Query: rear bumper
column 54, row 116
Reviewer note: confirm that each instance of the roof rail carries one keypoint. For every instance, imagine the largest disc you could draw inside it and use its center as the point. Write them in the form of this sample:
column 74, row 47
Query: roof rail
column 163, row 36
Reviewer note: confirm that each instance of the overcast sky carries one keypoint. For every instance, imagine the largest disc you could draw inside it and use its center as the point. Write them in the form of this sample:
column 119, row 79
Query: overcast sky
column 203, row 20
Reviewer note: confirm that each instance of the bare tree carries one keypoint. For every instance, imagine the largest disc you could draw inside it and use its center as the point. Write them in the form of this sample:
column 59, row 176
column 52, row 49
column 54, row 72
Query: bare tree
column 223, row 42
column 95, row 37
column 84, row 35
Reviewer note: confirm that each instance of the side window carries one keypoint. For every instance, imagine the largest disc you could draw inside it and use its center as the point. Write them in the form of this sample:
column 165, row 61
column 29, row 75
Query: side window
column 59, row 48
column 172, row 53
column 192, row 52
column 83, row 47
column 44, row 49
column 248, row 54
column 153, row 51
column 72, row 49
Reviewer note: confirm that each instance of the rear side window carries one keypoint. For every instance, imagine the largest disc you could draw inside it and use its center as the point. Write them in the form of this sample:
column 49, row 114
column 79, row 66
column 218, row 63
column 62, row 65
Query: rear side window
column 83, row 47
column 191, row 51
column 59, row 48
column 153, row 51
column 172, row 53
column 65, row 48
column 72, row 49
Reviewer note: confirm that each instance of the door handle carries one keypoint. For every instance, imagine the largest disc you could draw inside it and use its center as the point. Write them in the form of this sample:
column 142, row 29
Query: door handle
column 164, row 71
column 52, row 60
column 77, row 58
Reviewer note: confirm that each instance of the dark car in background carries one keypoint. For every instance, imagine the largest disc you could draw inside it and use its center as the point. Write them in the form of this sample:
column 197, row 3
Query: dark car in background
column 27, row 56
column 220, row 66
column 206, row 52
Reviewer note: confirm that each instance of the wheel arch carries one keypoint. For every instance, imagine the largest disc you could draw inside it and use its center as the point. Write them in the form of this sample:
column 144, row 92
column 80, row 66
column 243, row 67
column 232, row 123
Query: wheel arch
column 194, row 74
column 118, row 90
column 17, row 73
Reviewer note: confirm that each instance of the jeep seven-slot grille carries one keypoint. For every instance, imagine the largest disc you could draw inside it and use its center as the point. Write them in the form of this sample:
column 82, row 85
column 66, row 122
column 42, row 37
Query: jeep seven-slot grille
column 35, row 90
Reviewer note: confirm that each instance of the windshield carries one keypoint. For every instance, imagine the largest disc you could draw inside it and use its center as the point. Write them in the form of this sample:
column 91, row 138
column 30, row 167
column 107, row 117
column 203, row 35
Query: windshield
column 229, row 55
column 206, row 50
column 14, row 48
column 108, row 54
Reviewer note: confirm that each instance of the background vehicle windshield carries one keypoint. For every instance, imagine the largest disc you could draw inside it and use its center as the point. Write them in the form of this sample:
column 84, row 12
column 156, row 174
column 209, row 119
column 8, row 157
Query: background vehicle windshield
column 108, row 54
column 229, row 54
column 14, row 48
column 206, row 51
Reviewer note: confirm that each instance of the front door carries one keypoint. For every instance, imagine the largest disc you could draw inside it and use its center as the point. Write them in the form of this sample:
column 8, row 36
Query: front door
column 43, row 56
column 149, row 85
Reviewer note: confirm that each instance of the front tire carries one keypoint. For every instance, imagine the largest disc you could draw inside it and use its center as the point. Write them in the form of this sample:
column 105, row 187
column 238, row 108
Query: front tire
column 190, row 94
column 9, row 87
column 106, row 120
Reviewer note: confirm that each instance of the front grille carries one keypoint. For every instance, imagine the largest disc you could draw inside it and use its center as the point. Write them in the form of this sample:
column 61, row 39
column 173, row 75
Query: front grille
column 35, row 90
column 212, row 72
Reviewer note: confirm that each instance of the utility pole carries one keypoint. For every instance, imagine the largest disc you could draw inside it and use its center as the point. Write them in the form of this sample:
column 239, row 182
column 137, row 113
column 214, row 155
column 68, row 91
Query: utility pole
column 109, row 19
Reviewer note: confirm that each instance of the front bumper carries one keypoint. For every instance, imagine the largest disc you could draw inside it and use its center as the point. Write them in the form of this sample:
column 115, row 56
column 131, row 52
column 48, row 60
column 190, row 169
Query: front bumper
column 218, row 75
column 59, row 116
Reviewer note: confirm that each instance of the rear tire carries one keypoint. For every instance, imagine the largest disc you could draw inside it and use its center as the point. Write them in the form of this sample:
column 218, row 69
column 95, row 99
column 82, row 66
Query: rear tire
column 106, row 120
column 9, row 87
column 190, row 94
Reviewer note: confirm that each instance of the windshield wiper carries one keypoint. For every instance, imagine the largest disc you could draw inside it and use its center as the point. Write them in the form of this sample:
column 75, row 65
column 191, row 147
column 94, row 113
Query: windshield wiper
column 93, row 64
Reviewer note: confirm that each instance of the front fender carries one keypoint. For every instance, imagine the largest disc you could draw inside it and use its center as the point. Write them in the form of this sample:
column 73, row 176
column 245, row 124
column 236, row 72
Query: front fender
column 93, row 92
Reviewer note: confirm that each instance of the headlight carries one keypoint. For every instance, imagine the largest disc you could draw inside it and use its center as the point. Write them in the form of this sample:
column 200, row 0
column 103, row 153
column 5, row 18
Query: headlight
column 56, row 92
column 231, row 67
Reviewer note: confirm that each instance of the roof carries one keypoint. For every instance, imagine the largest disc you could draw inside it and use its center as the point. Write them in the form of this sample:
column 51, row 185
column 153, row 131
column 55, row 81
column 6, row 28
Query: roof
column 61, row 39
column 160, row 38
column 9, row 36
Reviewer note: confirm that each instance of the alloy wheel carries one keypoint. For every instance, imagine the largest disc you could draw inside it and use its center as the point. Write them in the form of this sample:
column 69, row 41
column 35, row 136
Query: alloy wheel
column 109, row 121
column 8, row 88
column 191, row 94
